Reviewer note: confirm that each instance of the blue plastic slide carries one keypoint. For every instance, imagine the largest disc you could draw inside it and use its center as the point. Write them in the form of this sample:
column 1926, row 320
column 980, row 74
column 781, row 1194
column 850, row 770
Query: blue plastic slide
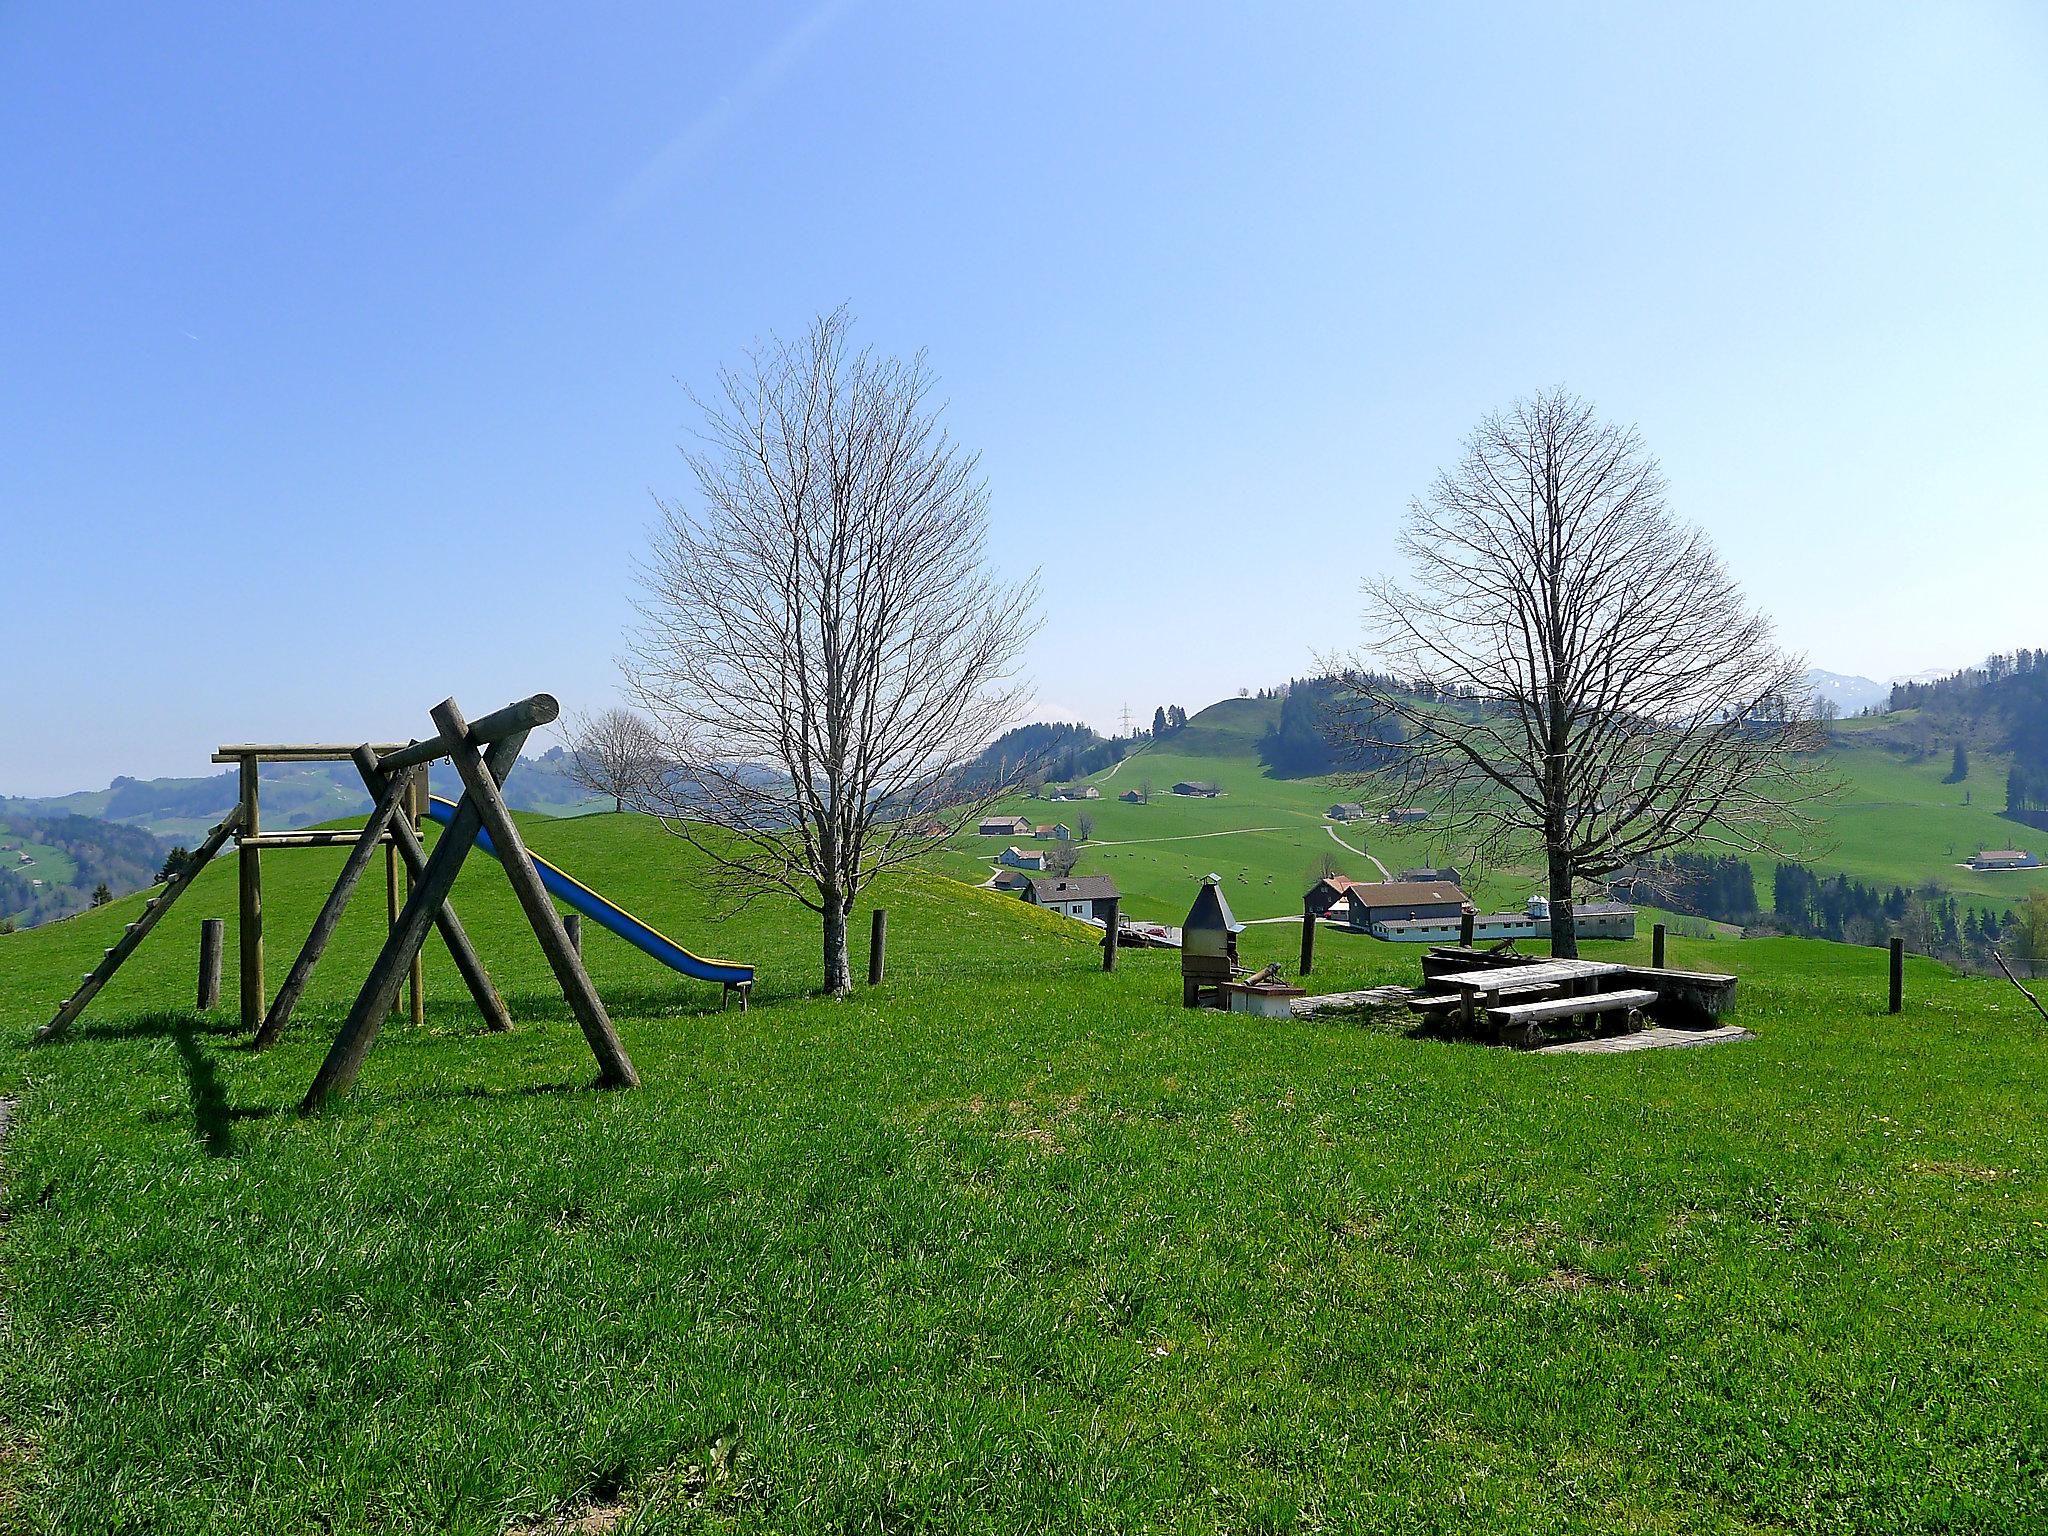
column 575, row 894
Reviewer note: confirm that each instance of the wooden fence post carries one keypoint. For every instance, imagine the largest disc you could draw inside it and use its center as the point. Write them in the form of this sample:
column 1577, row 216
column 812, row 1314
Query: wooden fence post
column 414, row 808
column 212, row 935
column 1898, row 976
column 1308, row 937
column 572, row 924
column 250, row 914
column 1657, row 946
column 1468, row 927
column 1109, row 928
column 878, row 945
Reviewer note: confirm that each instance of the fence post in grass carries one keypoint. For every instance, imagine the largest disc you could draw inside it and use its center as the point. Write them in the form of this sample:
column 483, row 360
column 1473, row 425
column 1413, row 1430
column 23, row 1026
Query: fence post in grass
column 1468, row 926
column 1898, row 976
column 572, row 924
column 212, row 935
column 1109, row 928
column 249, row 864
column 1308, row 937
column 878, row 944
column 1657, row 946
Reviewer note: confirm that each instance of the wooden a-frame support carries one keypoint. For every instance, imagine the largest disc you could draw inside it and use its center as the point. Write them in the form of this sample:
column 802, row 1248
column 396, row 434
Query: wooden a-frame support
column 502, row 736
column 152, row 914
column 390, row 794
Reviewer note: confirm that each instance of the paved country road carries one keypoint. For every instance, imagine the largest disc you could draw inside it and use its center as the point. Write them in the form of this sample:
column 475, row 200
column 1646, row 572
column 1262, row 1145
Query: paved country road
column 1385, row 874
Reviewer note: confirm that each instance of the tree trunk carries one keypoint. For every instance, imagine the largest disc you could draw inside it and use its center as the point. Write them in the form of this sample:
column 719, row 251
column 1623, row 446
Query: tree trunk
column 838, row 970
column 1564, row 935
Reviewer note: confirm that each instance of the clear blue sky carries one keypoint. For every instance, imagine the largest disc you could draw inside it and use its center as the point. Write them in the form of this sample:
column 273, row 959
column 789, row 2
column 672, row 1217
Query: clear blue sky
column 339, row 346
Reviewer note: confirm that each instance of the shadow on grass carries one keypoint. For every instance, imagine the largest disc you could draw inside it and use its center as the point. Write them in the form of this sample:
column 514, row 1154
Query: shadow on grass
column 213, row 1117
column 145, row 1026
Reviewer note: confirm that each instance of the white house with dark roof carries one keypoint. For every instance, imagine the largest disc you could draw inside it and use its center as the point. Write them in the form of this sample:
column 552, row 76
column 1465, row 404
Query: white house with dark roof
column 1083, row 896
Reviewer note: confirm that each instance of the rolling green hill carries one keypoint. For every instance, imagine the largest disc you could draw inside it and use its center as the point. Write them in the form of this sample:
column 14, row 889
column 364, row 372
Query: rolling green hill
column 1005, row 1244
column 1893, row 823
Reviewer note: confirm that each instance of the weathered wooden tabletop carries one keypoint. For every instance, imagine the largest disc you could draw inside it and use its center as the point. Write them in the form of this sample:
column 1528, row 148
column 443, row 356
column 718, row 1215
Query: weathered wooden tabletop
column 1548, row 972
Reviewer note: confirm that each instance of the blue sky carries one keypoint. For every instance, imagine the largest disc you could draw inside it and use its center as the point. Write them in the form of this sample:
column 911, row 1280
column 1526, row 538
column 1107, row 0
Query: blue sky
column 340, row 346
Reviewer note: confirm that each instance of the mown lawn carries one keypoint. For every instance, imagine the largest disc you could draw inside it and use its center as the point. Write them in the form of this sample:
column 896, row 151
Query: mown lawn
column 1009, row 1244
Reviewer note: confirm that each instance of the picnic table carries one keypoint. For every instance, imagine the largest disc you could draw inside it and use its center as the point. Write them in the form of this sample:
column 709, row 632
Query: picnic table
column 1516, row 1001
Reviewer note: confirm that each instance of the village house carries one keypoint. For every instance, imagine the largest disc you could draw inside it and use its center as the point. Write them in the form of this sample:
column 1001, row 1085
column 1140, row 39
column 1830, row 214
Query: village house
column 1004, row 826
column 1401, row 814
column 1058, row 832
column 1346, row 810
column 1082, row 896
column 1369, row 903
column 2005, row 858
column 1017, row 858
column 1199, row 788
column 1132, row 797
column 1326, row 893
column 1013, row 880
column 1590, row 920
column 1447, row 872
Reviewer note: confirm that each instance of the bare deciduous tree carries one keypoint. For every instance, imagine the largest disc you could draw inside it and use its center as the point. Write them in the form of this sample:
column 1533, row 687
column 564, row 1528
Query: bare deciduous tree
column 1084, row 826
column 1573, row 671
column 822, row 644
column 616, row 753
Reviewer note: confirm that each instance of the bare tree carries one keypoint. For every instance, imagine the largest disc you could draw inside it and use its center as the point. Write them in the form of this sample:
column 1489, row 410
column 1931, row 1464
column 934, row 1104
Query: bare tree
column 1060, row 859
column 822, row 645
column 1570, row 671
column 1084, row 826
column 614, row 753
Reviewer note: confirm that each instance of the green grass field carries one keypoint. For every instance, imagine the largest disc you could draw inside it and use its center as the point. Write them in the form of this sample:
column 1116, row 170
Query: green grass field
column 1007, row 1244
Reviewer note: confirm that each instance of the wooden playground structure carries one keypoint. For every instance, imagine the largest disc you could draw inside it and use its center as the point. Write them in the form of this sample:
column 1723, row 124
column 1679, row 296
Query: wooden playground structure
column 395, row 775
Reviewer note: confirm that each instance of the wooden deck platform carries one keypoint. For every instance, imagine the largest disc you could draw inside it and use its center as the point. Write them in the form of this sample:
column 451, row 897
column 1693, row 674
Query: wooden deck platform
column 1654, row 1039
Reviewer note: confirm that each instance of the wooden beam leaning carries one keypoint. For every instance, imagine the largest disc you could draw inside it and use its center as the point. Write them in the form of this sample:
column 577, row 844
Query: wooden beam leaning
column 329, row 919
column 304, row 840
column 615, row 1068
column 380, row 990
column 410, row 849
column 152, row 913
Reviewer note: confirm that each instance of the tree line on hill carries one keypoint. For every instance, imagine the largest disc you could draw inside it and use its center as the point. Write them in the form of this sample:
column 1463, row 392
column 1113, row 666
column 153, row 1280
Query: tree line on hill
column 109, row 860
column 1809, row 904
column 2002, row 704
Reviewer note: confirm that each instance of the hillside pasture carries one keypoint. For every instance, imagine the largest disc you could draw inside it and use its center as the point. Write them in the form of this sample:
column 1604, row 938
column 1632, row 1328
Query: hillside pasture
column 1006, row 1244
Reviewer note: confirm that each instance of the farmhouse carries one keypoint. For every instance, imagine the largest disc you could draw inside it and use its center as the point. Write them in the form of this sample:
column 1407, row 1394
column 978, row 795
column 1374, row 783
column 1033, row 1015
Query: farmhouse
column 1446, row 872
column 2005, row 858
column 1012, row 879
column 1590, row 920
column 1085, row 896
column 1346, row 810
column 1073, row 792
column 1369, row 903
column 1003, row 826
column 1326, row 893
column 1132, row 797
column 1017, row 858
column 1200, row 788
column 1405, row 813
column 1058, row 832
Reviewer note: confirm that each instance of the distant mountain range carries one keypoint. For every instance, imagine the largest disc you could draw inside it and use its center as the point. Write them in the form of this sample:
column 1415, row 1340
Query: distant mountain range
column 1852, row 695
column 294, row 795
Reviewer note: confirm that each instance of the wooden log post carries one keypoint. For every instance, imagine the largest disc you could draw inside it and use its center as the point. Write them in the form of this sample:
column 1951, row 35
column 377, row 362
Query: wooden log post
column 329, row 916
column 212, row 936
column 1657, row 946
column 414, row 852
column 380, row 989
column 1898, row 999
column 1468, row 928
column 1109, row 928
column 614, row 1067
column 878, row 946
column 572, row 925
column 416, row 983
column 1308, row 937
column 249, row 915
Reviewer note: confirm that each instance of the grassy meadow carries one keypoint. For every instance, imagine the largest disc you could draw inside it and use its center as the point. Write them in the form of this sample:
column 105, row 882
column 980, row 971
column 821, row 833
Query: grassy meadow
column 1007, row 1244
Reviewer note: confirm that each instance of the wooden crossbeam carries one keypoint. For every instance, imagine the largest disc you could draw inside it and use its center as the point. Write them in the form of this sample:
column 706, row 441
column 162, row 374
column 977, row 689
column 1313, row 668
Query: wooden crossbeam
column 152, row 914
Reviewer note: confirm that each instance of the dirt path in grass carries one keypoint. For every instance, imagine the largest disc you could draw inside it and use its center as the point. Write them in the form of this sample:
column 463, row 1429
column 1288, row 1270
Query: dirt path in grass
column 1184, row 837
column 1385, row 873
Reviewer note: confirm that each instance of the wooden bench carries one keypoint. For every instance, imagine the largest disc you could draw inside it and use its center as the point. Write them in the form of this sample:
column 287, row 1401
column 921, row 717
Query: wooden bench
column 1452, row 1002
column 1520, row 1020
